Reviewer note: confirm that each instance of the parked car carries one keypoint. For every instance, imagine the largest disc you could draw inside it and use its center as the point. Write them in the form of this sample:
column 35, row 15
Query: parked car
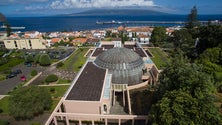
column 17, row 71
column 28, row 64
column 11, row 75
column 23, row 78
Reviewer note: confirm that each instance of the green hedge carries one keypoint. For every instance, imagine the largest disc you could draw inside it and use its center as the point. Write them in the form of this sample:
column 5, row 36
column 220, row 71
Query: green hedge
column 51, row 78
column 34, row 73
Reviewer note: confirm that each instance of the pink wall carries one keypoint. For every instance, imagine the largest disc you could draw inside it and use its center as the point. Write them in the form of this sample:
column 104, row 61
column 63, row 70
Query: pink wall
column 87, row 107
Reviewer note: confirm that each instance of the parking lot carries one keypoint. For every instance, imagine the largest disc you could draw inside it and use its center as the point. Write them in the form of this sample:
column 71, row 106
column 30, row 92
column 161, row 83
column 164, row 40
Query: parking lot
column 10, row 83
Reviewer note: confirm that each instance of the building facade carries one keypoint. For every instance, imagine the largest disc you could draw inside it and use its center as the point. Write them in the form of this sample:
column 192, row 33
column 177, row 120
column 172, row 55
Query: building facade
column 34, row 43
column 96, row 90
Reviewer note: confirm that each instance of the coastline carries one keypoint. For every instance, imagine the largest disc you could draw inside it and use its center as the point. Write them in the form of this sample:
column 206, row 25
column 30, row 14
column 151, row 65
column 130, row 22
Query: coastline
column 85, row 23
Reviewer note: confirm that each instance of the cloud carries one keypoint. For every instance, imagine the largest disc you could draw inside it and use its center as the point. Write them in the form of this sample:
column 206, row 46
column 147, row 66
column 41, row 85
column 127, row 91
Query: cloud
column 67, row 4
column 9, row 2
column 30, row 8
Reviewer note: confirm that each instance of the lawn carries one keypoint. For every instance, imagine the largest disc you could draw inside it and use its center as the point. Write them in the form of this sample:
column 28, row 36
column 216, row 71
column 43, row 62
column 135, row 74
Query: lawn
column 11, row 63
column 160, row 58
column 64, row 81
column 54, row 104
column 59, row 91
column 4, row 105
column 76, row 60
column 2, row 77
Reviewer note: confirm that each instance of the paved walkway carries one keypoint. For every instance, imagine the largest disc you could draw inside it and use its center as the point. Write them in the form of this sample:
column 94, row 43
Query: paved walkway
column 69, row 75
column 2, row 96
column 55, row 85
column 118, row 108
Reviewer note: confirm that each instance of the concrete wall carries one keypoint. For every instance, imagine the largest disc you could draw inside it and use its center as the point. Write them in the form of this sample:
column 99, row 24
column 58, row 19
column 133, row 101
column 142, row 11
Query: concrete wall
column 86, row 107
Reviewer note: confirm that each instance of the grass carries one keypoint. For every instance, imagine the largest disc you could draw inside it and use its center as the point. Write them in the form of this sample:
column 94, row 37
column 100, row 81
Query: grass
column 2, row 77
column 160, row 59
column 64, row 81
column 54, row 104
column 59, row 90
column 76, row 60
column 4, row 105
column 57, row 94
column 11, row 63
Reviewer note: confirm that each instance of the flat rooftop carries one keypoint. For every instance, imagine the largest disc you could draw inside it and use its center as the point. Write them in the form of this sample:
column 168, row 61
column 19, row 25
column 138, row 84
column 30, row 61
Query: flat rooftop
column 89, row 84
column 136, row 49
column 107, row 46
column 129, row 46
column 97, row 51
column 140, row 52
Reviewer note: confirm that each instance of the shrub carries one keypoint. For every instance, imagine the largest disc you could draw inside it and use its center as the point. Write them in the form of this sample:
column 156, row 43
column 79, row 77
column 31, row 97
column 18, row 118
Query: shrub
column 51, row 78
column 52, row 90
column 36, row 58
column 33, row 100
column 60, row 64
column 219, row 89
column 3, row 122
column 34, row 73
column 44, row 60
column 29, row 58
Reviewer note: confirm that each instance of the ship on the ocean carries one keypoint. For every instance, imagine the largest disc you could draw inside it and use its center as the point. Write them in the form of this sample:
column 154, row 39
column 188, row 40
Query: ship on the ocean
column 16, row 28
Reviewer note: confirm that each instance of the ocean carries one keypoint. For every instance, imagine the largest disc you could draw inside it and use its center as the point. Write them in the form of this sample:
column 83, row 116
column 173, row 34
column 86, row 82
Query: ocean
column 80, row 23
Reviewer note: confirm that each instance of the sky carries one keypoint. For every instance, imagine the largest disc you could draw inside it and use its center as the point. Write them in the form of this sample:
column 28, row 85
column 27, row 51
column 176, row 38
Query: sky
column 54, row 7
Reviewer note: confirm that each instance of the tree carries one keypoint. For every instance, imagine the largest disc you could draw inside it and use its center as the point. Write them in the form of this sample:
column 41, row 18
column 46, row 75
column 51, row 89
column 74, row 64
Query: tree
column 34, row 72
column 182, row 39
column 36, row 58
column 211, row 61
column 29, row 58
column 212, row 54
column 108, row 33
column 158, row 36
column 184, row 96
column 8, row 29
column 180, row 108
column 209, row 37
column 185, row 76
column 27, row 102
column 44, row 60
column 192, row 18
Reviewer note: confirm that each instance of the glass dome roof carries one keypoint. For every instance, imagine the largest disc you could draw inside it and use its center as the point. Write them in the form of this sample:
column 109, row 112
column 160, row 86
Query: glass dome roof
column 125, row 65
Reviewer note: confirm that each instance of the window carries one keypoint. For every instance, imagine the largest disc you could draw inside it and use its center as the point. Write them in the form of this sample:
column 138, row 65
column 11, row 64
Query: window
column 15, row 44
column 105, row 108
column 30, row 43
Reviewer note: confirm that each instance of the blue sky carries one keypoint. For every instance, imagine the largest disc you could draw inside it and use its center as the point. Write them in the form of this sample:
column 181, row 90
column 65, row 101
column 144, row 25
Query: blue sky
column 52, row 7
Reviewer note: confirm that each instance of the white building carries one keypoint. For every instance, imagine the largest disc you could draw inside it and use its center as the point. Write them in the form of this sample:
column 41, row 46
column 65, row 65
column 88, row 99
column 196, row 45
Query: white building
column 25, row 43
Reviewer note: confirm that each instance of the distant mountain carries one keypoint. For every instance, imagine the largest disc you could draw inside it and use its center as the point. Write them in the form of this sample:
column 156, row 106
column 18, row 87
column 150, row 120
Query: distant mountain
column 124, row 12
